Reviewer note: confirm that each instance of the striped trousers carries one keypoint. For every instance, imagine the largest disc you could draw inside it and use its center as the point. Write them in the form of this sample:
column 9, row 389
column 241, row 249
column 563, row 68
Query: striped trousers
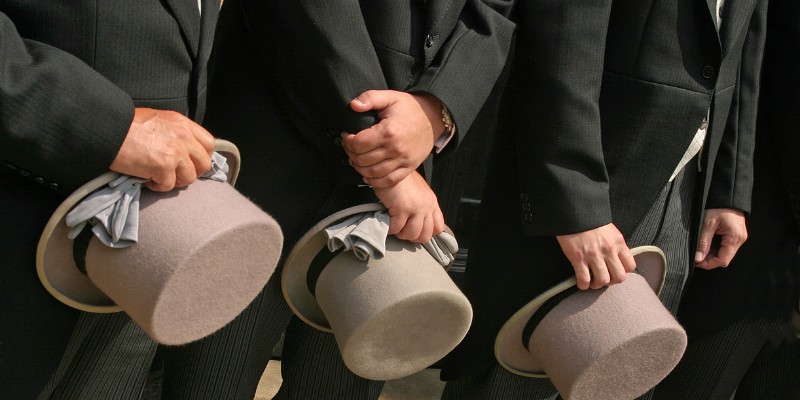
column 669, row 225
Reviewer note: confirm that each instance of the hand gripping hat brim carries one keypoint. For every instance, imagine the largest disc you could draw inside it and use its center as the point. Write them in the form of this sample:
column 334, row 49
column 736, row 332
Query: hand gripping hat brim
column 204, row 252
column 391, row 317
column 611, row 343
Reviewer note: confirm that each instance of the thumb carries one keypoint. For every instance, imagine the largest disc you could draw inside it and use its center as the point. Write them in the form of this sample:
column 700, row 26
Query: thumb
column 703, row 243
column 372, row 100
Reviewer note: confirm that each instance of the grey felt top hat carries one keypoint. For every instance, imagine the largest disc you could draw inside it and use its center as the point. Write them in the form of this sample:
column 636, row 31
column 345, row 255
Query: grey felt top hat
column 204, row 252
column 391, row 317
column 612, row 343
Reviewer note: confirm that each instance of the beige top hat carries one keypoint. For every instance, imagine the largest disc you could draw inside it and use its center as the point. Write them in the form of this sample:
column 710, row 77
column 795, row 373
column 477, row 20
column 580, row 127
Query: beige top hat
column 612, row 343
column 204, row 252
column 391, row 317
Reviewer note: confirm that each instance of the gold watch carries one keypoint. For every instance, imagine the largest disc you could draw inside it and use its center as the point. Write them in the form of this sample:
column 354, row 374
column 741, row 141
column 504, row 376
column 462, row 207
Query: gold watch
column 447, row 119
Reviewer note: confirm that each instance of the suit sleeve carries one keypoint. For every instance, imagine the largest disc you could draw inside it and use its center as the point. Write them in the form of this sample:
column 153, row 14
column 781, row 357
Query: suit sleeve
column 732, row 181
column 464, row 68
column 323, row 54
column 323, row 51
column 60, row 121
column 557, row 78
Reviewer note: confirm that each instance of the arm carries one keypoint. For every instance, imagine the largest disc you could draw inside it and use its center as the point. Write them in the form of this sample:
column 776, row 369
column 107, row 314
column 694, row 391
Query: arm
column 732, row 182
column 63, row 122
column 390, row 150
column 55, row 110
column 557, row 81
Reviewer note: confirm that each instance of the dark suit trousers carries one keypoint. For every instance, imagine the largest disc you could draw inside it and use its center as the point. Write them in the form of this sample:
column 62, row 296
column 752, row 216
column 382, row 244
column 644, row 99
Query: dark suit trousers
column 668, row 225
column 35, row 326
column 738, row 318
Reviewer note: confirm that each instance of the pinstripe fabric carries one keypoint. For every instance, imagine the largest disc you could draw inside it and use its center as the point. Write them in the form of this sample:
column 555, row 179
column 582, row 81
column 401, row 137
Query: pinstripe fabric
column 738, row 318
column 108, row 357
column 774, row 373
column 311, row 365
column 222, row 366
column 229, row 363
column 720, row 360
column 312, row 368
column 668, row 225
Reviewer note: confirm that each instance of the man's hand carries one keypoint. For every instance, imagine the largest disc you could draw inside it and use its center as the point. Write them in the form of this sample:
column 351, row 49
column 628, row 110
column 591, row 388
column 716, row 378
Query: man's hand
column 413, row 208
column 385, row 153
column 165, row 147
column 599, row 256
column 730, row 225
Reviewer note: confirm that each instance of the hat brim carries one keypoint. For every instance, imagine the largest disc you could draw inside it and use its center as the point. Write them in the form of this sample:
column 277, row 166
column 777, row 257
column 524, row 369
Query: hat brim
column 55, row 264
column 294, row 282
column 509, row 338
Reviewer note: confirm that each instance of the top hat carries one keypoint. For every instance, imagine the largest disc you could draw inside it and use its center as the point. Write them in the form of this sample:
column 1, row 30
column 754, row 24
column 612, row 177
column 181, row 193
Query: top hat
column 204, row 252
column 612, row 343
column 391, row 317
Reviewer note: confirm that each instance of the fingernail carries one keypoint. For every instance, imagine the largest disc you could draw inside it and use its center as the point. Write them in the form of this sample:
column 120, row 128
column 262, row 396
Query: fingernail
column 698, row 256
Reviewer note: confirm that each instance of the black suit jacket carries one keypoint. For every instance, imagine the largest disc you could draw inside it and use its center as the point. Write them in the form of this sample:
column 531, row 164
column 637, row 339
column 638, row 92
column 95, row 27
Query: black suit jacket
column 283, row 74
column 603, row 99
column 608, row 104
column 70, row 75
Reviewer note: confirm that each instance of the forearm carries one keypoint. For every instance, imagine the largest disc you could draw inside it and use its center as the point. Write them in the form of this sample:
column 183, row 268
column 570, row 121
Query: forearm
column 322, row 55
column 482, row 28
column 555, row 93
column 59, row 119
column 732, row 181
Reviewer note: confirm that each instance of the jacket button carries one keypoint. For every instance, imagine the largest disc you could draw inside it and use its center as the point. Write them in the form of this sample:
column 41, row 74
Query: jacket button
column 24, row 173
column 39, row 180
column 429, row 40
column 53, row 185
column 523, row 196
column 708, row 72
column 338, row 141
column 528, row 217
column 526, row 206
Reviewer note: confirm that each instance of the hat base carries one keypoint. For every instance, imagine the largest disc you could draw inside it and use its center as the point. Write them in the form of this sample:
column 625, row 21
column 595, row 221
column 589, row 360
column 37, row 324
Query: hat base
column 623, row 373
column 406, row 337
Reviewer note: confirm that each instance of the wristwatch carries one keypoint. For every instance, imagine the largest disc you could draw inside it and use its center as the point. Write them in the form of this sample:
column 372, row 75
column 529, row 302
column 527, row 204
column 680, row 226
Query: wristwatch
column 447, row 120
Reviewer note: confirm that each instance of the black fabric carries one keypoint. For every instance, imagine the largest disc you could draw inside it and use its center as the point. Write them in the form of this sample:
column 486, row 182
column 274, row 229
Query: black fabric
column 320, row 261
column 602, row 101
column 70, row 76
column 667, row 224
column 79, row 247
column 283, row 76
column 738, row 318
column 545, row 308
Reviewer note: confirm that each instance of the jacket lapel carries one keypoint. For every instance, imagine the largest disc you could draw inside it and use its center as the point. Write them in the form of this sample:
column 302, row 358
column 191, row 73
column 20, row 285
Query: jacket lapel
column 208, row 23
column 736, row 14
column 188, row 16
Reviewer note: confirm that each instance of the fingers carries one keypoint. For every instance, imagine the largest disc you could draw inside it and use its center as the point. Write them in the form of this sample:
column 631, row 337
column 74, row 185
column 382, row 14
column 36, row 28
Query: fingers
column 166, row 147
column 389, row 180
column 414, row 211
column 201, row 149
column 372, row 100
column 628, row 262
column 600, row 272
column 727, row 225
column 582, row 276
column 704, row 242
column 599, row 256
